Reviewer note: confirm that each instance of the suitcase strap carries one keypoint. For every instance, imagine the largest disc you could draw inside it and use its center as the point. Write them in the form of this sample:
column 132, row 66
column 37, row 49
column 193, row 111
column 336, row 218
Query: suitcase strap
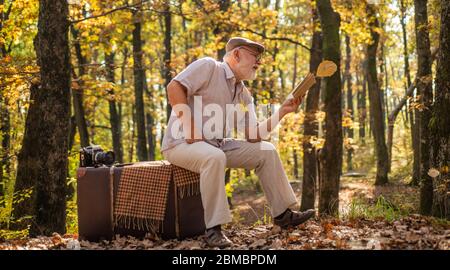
column 111, row 189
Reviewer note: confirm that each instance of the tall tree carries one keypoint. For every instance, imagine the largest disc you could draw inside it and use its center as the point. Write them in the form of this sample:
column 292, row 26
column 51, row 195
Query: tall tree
column 362, row 111
column 167, row 54
column 376, row 110
column 405, row 48
column 294, row 82
column 424, row 89
column 42, row 161
column 439, row 124
column 77, row 94
column 397, row 108
column 5, row 121
column 309, row 185
column 149, row 121
column 222, row 30
column 411, row 116
column 331, row 154
column 348, row 80
column 5, row 129
column 405, row 44
column 138, row 70
column 114, row 118
column 414, row 114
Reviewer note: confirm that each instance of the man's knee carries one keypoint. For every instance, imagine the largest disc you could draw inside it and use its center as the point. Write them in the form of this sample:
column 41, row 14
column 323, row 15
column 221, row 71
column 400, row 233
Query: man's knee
column 217, row 156
column 267, row 147
column 265, row 151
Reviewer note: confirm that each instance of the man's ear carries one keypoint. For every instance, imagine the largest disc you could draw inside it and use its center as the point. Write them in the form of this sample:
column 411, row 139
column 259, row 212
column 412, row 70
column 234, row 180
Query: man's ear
column 236, row 55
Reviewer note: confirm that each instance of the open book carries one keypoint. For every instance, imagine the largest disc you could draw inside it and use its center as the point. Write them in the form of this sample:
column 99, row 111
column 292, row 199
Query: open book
column 325, row 69
column 301, row 88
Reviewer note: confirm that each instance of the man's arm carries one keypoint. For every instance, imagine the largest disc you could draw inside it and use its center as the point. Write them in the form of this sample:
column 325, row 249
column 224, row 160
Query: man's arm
column 255, row 132
column 177, row 95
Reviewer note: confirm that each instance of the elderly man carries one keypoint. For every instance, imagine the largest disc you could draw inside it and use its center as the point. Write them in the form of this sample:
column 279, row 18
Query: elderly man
column 207, row 82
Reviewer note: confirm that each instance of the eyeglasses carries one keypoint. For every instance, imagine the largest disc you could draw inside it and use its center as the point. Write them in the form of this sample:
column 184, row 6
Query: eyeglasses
column 257, row 56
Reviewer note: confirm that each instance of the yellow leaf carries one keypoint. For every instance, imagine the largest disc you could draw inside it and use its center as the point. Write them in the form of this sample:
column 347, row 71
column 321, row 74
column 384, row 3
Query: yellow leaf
column 326, row 69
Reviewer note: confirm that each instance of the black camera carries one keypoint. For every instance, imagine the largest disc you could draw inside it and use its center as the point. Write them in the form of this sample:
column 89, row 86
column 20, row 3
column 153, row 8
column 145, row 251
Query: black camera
column 94, row 156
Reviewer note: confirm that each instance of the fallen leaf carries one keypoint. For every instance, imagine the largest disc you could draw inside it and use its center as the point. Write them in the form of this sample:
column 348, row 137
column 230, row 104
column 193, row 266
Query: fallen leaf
column 373, row 244
column 258, row 243
column 277, row 244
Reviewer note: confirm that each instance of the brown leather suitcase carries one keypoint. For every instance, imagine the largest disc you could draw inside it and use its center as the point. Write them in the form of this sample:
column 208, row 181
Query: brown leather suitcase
column 96, row 194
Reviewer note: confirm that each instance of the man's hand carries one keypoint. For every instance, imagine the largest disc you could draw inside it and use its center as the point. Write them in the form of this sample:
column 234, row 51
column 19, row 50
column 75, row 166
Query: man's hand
column 177, row 94
column 191, row 141
column 290, row 105
column 195, row 134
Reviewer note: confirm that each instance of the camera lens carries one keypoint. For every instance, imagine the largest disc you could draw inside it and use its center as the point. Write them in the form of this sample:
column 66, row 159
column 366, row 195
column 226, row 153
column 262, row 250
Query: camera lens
column 106, row 158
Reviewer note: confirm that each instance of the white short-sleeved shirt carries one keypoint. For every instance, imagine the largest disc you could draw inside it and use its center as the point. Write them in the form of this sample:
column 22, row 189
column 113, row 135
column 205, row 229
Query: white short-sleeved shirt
column 211, row 86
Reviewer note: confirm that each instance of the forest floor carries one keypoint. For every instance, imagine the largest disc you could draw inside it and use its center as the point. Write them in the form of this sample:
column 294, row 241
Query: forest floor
column 371, row 218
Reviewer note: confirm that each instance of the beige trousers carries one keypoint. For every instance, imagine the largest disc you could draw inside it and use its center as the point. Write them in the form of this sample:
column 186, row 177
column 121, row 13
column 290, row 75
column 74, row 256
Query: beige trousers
column 211, row 162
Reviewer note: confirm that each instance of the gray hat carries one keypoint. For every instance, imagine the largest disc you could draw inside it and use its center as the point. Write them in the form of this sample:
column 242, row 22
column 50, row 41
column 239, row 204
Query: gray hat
column 235, row 42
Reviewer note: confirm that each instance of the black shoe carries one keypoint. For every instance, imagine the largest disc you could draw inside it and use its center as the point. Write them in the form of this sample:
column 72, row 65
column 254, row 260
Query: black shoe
column 293, row 218
column 216, row 238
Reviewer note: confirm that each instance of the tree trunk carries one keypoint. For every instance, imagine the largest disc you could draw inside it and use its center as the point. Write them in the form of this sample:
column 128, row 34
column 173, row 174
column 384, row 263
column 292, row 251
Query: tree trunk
column 132, row 127
column 70, row 191
column 5, row 129
column 398, row 107
column 5, row 121
column 222, row 30
column 375, row 103
column 439, row 123
column 348, row 76
column 385, row 101
column 227, row 180
column 413, row 118
column 72, row 132
column 295, row 157
column 42, row 161
column 391, row 119
column 386, row 87
column 114, row 118
column 405, row 47
column 122, row 83
column 77, row 94
column 151, row 141
column 138, row 70
column 149, row 121
column 294, row 81
column 167, row 55
column 309, row 185
column 424, row 89
column 331, row 154
column 415, row 134
column 380, row 75
column 362, row 109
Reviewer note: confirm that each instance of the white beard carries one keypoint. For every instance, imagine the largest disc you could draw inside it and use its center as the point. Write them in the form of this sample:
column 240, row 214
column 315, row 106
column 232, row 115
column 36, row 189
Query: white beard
column 253, row 75
column 250, row 75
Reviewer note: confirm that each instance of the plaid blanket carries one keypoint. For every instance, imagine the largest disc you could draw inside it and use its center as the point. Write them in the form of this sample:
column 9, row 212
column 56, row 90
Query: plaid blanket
column 143, row 190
